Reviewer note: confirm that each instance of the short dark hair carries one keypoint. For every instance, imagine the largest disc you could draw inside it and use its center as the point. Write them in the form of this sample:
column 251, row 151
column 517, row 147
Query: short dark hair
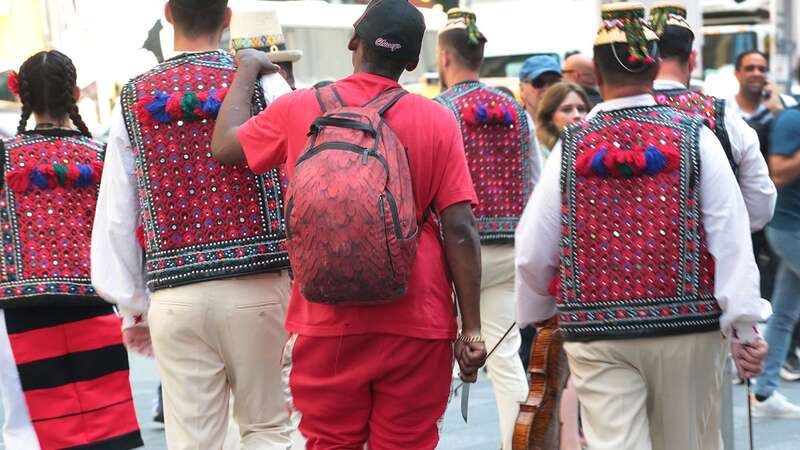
column 612, row 60
column 676, row 43
column 198, row 18
column 468, row 55
column 741, row 56
column 377, row 58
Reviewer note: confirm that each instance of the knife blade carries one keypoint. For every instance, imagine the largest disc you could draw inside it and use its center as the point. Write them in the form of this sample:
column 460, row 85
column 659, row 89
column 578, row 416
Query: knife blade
column 465, row 400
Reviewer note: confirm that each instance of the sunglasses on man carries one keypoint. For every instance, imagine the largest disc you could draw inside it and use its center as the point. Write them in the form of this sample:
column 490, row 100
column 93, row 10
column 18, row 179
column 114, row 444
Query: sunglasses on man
column 544, row 80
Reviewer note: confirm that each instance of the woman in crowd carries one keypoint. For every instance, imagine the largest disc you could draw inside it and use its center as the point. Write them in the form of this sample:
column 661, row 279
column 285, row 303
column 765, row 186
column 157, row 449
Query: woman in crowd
column 63, row 367
column 562, row 104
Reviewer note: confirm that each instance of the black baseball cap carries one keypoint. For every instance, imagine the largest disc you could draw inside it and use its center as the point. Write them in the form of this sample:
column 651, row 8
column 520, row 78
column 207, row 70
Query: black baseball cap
column 393, row 27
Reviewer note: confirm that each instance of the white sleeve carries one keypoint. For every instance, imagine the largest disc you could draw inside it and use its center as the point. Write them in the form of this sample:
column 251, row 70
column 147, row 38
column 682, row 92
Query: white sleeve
column 757, row 188
column 116, row 256
column 725, row 219
column 535, row 151
column 536, row 245
column 274, row 86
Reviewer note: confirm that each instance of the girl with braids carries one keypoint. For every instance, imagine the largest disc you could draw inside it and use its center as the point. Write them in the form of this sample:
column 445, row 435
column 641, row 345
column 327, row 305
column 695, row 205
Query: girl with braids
column 63, row 368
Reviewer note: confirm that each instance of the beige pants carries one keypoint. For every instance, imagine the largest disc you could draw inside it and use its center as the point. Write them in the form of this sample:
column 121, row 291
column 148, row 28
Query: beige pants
column 218, row 337
column 498, row 313
column 650, row 393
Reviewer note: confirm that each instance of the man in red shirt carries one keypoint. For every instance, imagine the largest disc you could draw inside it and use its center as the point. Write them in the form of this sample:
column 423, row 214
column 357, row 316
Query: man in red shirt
column 375, row 374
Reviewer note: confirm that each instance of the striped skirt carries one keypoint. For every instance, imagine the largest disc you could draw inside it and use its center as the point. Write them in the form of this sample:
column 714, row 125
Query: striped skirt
column 64, row 380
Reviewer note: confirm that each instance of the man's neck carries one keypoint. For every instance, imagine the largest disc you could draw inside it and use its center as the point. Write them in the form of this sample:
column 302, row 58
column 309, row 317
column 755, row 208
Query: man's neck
column 748, row 103
column 198, row 44
column 671, row 71
column 461, row 76
column 622, row 91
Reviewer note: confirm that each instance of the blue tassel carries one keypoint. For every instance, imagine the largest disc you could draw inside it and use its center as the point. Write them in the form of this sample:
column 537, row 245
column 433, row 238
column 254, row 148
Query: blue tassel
column 598, row 167
column 212, row 104
column 655, row 161
column 86, row 176
column 38, row 178
column 158, row 107
column 508, row 118
column 482, row 115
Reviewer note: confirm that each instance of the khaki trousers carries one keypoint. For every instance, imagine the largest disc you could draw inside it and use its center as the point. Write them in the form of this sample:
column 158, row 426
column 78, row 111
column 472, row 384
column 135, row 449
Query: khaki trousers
column 650, row 393
column 498, row 313
column 214, row 338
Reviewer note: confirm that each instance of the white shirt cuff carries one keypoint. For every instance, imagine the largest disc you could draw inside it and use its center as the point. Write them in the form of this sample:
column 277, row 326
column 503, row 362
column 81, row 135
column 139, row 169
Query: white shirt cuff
column 132, row 318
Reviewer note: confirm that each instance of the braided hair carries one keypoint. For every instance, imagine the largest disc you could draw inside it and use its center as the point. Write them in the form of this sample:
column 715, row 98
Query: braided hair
column 47, row 82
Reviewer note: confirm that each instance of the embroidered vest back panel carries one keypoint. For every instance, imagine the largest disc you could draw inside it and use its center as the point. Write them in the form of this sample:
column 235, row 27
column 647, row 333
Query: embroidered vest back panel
column 201, row 219
column 496, row 142
column 711, row 109
column 634, row 259
column 47, row 207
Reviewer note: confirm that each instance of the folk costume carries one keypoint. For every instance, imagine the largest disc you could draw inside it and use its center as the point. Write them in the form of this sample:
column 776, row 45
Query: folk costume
column 637, row 238
column 739, row 141
column 63, row 368
column 212, row 240
column 500, row 150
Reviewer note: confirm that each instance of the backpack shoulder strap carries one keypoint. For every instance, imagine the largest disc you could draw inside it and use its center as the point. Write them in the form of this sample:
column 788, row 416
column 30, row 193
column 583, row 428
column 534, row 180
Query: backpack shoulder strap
column 386, row 99
column 328, row 98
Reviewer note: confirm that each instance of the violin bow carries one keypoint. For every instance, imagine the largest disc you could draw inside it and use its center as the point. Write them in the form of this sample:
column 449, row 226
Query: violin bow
column 749, row 414
column 465, row 386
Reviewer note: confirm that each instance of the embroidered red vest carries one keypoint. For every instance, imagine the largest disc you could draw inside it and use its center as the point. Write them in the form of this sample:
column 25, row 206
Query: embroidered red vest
column 497, row 145
column 201, row 219
column 634, row 261
column 711, row 109
column 47, row 205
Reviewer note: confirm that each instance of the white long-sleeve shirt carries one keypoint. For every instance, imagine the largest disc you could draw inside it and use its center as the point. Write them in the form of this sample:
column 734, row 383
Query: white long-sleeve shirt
column 725, row 219
column 116, row 256
column 757, row 187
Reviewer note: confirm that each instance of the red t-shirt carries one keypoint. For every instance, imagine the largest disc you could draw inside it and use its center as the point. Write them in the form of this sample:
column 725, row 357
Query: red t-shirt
column 440, row 178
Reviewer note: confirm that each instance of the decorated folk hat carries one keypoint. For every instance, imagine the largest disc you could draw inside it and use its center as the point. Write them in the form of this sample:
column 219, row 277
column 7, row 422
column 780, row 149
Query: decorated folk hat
column 261, row 30
column 623, row 23
column 463, row 19
column 668, row 14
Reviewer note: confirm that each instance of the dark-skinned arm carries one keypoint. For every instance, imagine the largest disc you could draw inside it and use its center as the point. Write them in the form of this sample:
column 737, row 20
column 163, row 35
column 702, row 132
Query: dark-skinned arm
column 462, row 248
column 784, row 170
column 235, row 110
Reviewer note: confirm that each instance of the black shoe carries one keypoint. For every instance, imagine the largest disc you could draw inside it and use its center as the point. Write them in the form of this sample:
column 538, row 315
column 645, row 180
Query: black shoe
column 791, row 367
column 158, row 411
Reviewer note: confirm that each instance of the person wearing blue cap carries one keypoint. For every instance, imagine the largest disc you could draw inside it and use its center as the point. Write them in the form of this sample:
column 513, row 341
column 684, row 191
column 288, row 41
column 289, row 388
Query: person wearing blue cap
column 537, row 74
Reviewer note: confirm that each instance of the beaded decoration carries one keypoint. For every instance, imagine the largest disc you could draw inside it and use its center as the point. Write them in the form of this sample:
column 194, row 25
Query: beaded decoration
column 634, row 260
column 710, row 109
column 624, row 23
column 262, row 41
column 458, row 18
column 47, row 206
column 201, row 219
column 660, row 15
column 496, row 142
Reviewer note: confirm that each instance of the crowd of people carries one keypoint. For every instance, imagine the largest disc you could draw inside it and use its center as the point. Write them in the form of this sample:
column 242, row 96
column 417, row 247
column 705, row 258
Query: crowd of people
column 307, row 265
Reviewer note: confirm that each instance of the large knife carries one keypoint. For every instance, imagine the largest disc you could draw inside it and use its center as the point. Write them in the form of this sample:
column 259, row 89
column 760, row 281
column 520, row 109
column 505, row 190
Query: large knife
column 465, row 400
column 465, row 386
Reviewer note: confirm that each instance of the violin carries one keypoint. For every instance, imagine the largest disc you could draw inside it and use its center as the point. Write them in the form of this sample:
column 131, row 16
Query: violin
column 538, row 425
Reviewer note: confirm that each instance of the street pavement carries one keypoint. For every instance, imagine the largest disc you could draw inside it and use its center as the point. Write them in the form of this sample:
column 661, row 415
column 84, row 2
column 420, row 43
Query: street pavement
column 481, row 433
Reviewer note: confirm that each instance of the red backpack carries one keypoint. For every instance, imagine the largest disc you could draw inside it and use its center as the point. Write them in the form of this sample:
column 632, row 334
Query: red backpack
column 351, row 220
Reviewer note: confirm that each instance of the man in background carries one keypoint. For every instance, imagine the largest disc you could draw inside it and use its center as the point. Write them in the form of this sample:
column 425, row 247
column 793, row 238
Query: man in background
column 579, row 69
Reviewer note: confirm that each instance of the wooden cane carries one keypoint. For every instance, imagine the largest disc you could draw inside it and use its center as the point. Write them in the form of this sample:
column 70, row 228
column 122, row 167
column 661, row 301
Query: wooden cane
column 749, row 414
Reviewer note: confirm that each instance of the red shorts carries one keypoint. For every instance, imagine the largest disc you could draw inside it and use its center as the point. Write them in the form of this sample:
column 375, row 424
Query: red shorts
column 385, row 390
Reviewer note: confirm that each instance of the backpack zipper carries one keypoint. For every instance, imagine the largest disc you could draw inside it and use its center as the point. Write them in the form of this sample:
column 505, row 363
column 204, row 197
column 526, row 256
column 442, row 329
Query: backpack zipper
column 382, row 206
column 346, row 146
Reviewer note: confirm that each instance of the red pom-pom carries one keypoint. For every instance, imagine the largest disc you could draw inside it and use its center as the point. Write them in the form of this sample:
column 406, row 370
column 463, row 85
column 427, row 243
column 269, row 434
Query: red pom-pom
column 174, row 107
column 12, row 82
column 633, row 59
column 73, row 173
column 97, row 170
column 18, row 180
column 140, row 237
column 649, row 60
